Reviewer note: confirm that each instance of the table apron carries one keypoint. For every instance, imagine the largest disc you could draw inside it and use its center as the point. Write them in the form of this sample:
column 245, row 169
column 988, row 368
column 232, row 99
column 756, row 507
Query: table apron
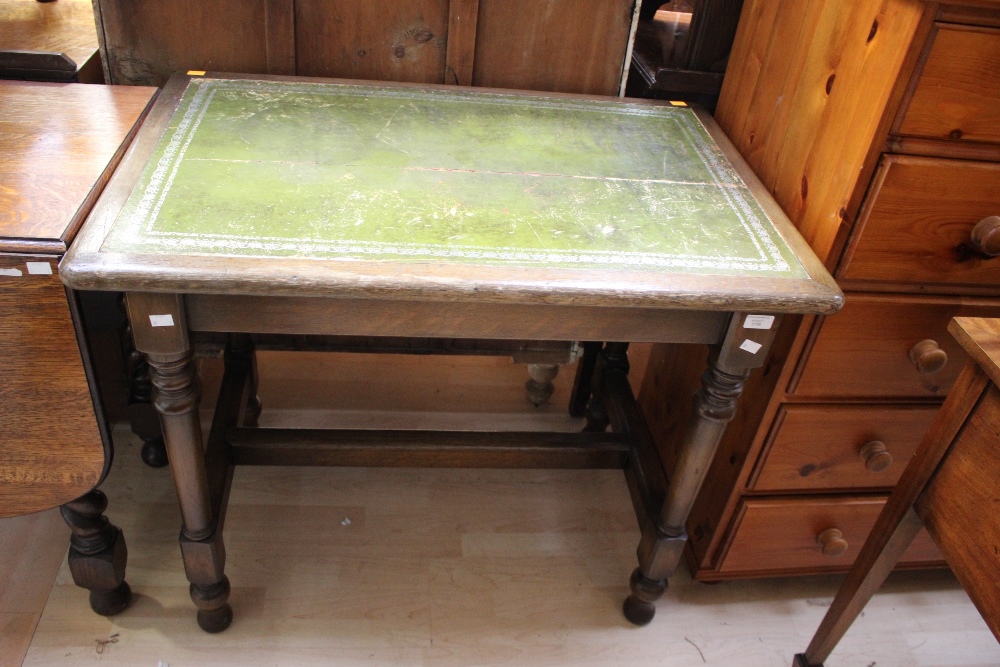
column 434, row 319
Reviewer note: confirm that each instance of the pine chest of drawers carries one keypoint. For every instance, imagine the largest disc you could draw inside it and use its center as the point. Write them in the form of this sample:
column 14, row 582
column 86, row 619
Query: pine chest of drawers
column 876, row 124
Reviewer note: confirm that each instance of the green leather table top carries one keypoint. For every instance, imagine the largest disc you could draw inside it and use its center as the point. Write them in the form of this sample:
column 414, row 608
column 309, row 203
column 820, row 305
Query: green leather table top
column 307, row 170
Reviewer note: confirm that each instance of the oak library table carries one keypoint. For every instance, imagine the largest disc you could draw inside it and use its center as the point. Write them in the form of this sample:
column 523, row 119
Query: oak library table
column 276, row 205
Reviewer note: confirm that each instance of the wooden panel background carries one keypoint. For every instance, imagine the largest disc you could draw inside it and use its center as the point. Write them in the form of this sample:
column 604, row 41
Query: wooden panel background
column 361, row 39
column 147, row 40
column 790, row 101
column 50, row 447
column 571, row 46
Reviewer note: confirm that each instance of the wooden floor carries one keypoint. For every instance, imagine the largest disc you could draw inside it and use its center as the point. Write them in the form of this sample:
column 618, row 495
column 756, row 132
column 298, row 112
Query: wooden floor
column 435, row 567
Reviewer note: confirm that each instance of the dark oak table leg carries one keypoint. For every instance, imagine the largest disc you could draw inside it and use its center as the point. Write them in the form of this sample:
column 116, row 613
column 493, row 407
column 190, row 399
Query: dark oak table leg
column 584, row 381
column 97, row 553
column 160, row 330
column 662, row 544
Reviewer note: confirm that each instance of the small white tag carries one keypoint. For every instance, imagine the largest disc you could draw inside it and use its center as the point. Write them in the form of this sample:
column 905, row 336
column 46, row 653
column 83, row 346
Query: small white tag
column 16, row 273
column 162, row 320
column 39, row 268
column 758, row 322
column 750, row 346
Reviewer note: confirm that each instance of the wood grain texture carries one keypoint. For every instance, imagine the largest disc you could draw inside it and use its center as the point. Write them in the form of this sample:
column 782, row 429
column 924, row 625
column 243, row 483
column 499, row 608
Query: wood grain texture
column 790, row 101
column 56, row 143
column 917, row 225
column 446, row 319
column 778, row 536
column 64, row 27
column 817, row 447
column 898, row 523
column 279, row 22
column 358, row 39
column 48, row 456
column 954, row 507
column 958, row 95
column 463, row 22
column 568, row 46
column 146, row 42
column 980, row 338
column 863, row 352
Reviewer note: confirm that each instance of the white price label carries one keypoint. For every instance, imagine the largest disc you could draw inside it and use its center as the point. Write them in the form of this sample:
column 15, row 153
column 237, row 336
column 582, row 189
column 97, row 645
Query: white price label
column 751, row 346
column 758, row 322
column 162, row 320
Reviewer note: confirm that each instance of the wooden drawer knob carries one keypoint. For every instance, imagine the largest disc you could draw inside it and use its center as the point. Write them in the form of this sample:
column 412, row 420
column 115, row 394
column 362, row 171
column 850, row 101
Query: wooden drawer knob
column 986, row 236
column 875, row 455
column 927, row 357
column 831, row 542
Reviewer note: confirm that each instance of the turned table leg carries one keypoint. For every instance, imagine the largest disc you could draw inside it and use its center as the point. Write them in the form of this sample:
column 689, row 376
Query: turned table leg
column 583, row 383
column 97, row 553
column 160, row 331
column 660, row 549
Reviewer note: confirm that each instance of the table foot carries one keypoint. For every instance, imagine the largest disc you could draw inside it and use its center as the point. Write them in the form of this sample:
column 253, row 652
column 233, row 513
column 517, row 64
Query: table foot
column 539, row 387
column 638, row 607
column 800, row 660
column 154, row 453
column 97, row 553
column 214, row 612
column 111, row 603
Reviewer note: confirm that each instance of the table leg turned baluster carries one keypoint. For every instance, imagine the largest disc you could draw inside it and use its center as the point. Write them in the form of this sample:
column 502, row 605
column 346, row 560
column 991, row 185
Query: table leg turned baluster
column 660, row 549
column 97, row 553
column 160, row 330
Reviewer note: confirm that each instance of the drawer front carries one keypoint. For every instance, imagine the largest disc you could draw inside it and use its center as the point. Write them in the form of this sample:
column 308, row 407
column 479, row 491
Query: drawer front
column 778, row 536
column 827, row 447
column 930, row 221
column 865, row 349
column 958, row 93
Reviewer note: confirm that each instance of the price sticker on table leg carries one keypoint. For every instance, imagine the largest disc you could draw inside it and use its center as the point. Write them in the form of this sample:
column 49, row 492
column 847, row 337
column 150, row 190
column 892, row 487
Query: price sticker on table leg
column 758, row 322
column 751, row 346
column 162, row 320
column 39, row 268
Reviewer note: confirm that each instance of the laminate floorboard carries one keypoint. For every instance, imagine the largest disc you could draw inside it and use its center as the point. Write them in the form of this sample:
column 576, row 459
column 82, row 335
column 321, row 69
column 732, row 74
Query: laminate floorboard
column 446, row 567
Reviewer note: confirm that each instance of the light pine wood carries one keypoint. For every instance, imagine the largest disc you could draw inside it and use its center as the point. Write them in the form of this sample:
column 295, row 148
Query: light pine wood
column 790, row 102
column 917, row 227
column 773, row 536
column 952, row 507
column 865, row 350
column 819, row 447
column 949, row 481
column 958, row 94
column 980, row 338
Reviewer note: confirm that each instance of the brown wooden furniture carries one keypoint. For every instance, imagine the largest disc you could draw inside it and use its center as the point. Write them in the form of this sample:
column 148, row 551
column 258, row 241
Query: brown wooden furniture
column 49, row 41
column 184, row 273
column 577, row 46
column 59, row 144
column 682, row 47
column 951, row 486
column 874, row 125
